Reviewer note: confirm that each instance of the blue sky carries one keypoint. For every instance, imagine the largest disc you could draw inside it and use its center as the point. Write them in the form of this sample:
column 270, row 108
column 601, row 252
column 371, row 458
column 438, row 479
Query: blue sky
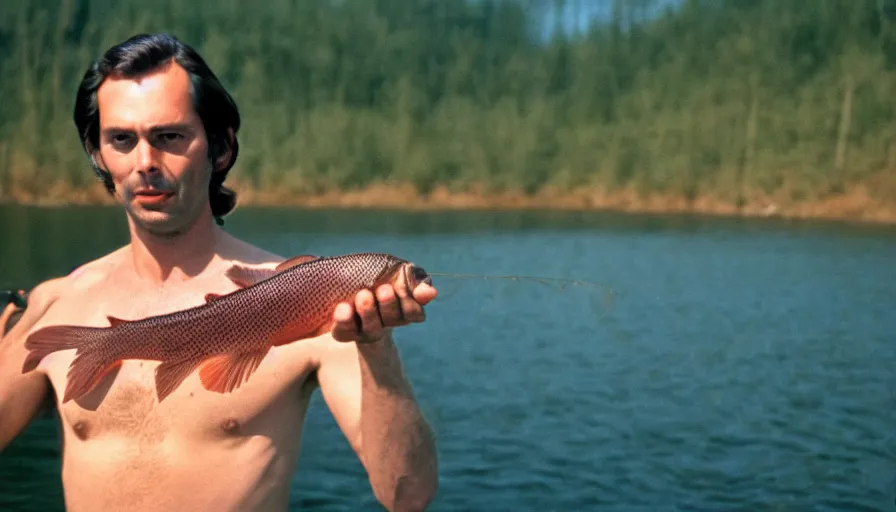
column 578, row 14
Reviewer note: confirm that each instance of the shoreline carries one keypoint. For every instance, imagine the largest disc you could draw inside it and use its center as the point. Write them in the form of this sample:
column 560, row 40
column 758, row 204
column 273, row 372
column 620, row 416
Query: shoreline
column 856, row 205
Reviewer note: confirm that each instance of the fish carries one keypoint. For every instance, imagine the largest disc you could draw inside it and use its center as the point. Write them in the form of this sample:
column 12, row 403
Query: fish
column 228, row 336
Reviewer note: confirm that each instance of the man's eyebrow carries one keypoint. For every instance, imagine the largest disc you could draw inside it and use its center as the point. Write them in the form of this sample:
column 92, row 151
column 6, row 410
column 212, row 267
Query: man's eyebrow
column 155, row 129
column 177, row 127
column 114, row 129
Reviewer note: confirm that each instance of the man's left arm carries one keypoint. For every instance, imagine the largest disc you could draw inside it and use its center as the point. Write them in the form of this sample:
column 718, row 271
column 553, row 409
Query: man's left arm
column 365, row 386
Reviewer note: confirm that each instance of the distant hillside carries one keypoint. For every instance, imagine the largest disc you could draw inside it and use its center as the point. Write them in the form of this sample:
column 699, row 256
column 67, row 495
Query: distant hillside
column 746, row 102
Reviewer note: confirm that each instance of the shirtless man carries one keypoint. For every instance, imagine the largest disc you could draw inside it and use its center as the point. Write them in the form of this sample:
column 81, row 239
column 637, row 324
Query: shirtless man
column 161, row 133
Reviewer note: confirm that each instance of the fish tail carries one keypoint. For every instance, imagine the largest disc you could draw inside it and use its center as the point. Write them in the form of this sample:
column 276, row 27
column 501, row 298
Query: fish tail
column 88, row 367
column 44, row 342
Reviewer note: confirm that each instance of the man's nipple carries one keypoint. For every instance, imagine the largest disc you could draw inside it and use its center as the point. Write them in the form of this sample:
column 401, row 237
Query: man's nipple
column 81, row 430
column 230, row 427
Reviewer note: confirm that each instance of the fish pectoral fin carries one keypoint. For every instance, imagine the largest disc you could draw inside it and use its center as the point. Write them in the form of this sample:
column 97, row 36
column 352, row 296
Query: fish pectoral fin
column 212, row 296
column 224, row 373
column 295, row 260
column 170, row 374
column 245, row 277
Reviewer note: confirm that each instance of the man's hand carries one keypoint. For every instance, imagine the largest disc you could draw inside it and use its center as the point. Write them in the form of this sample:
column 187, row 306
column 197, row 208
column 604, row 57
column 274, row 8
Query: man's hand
column 13, row 303
column 370, row 317
column 5, row 315
column 22, row 395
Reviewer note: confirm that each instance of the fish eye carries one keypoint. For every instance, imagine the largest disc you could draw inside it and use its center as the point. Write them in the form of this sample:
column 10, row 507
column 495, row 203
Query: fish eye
column 419, row 273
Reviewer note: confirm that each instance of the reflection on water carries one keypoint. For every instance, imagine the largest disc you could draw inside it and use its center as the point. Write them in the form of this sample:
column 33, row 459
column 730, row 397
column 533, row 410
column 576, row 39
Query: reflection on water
column 741, row 364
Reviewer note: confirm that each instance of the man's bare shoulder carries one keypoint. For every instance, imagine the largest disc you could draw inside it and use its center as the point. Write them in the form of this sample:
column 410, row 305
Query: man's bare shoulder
column 88, row 273
column 46, row 293
column 241, row 251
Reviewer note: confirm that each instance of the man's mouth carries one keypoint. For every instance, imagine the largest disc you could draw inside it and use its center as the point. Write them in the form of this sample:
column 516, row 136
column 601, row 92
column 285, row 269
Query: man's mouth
column 151, row 196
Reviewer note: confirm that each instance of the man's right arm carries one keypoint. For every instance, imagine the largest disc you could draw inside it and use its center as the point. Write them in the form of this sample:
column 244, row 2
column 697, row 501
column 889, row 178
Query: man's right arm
column 21, row 396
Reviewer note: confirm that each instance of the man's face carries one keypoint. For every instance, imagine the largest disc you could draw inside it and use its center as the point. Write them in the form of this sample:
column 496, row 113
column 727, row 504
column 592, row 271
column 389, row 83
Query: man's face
column 153, row 143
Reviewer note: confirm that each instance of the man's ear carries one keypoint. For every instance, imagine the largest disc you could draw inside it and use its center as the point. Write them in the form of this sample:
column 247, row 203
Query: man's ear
column 223, row 159
column 97, row 159
column 99, row 169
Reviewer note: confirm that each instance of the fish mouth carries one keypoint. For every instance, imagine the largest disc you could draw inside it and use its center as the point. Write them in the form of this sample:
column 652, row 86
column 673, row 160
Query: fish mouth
column 414, row 275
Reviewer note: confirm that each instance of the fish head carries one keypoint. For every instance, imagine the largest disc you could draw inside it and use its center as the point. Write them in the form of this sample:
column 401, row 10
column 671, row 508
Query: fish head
column 414, row 275
column 401, row 272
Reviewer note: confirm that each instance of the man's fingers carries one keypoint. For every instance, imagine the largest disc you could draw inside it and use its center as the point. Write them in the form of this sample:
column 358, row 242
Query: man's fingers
column 366, row 308
column 367, row 317
column 425, row 293
column 389, row 306
column 13, row 320
column 410, row 309
column 4, row 317
column 346, row 326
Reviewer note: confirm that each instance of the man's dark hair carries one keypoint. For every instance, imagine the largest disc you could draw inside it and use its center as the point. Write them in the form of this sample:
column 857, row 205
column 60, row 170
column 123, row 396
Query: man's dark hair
column 142, row 54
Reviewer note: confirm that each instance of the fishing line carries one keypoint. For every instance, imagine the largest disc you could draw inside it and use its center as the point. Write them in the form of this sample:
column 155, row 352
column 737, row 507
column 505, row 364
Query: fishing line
column 543, row 280
column 608, row 298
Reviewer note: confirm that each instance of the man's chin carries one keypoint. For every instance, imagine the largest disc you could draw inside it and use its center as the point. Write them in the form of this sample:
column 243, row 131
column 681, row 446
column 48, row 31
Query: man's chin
column 157, row 222
column 156, row 210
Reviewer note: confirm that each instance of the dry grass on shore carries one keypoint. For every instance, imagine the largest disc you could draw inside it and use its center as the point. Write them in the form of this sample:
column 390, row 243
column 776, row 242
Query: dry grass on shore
column 862, row 203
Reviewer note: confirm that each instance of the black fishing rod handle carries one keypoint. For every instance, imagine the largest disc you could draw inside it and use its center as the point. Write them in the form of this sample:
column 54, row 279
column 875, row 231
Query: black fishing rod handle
column 10, row 296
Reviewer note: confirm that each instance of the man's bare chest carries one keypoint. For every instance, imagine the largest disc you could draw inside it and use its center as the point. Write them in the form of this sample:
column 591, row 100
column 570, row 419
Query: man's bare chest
column 126, row 407
column 125, row 402
column 93, row 306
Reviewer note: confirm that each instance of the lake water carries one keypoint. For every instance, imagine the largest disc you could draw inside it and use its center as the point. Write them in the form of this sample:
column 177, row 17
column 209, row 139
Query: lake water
column 734, row 365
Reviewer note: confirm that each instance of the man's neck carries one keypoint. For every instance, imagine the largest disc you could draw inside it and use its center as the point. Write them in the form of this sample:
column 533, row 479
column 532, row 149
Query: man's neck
column 161, row 259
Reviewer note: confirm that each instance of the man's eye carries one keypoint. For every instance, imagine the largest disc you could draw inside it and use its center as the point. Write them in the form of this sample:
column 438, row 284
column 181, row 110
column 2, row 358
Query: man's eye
column 120, row 140
column 171, row 137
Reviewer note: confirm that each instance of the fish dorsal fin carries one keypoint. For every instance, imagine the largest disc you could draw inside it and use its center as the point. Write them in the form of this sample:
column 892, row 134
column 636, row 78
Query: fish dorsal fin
column 247, row 276
column 115, row 321
column 295, row 260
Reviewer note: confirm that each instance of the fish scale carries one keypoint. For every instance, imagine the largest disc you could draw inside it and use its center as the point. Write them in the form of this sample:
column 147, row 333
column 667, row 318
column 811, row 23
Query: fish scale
column 230, row 334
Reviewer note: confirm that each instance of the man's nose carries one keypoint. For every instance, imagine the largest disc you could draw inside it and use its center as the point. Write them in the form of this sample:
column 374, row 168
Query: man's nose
column 146, row 158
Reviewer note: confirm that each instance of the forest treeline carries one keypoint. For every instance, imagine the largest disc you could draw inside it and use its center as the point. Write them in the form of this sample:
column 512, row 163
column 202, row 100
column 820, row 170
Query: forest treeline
column 729, row 98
